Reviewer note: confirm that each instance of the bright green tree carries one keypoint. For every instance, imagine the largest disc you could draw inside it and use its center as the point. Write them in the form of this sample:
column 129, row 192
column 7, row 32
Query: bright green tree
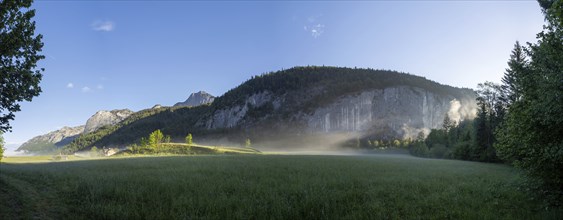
column 156, row 138
column 167, row 139
column 396, row 143
column 376, row 144
column 94, row 151
column 19, row 54
column 189, row 139
column 145, row 142
column 247, row 143
column 1, row 146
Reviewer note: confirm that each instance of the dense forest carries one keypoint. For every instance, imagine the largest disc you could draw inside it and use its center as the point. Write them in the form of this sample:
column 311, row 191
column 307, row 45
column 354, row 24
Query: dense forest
column 519, row 121
column 335, row 81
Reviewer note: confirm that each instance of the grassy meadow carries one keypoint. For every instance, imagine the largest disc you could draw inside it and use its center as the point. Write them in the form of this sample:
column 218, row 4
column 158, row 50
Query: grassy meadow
column 263, row 187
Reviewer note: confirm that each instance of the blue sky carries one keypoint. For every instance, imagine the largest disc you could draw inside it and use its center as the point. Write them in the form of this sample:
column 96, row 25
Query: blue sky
column 104, row 55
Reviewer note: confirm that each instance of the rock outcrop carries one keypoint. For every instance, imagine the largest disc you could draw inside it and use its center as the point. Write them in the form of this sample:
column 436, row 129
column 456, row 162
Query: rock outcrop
column 405, row 111
column 105, row 118
column 395, row 112
column 198, row 98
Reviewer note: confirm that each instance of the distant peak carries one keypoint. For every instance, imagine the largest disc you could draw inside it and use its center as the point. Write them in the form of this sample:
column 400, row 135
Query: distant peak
column 197, row 98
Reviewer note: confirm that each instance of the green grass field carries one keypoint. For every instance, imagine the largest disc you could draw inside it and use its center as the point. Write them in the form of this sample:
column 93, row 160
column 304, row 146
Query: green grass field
column 264, row 187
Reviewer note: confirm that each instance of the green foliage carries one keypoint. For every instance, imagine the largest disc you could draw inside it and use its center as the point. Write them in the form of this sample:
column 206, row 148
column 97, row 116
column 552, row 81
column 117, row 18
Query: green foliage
column 247, row 143
column 436, row 136
column 396, row 143
column 376, row 143
column 511, row 81
column 166, row 139
column 156, row 138
column 531, row 135
column 19, row 54
column 463, row 150
column 1, row 146
column 447, row 124
column 419, row 149
column 439, row 151
column 94, row 151
column 189, row 139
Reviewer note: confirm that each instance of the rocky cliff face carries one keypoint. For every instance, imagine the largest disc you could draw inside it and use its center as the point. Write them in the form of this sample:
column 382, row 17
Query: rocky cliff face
column 104, row 118
column 228, row 118
column 400, row 111
column 405, row 111
column 198, row 98
column 52, row 139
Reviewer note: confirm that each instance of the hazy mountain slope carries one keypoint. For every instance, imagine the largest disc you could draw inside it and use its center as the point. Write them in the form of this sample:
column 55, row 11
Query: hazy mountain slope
column 59, row 138
column 52, row 140
column 306, row 102
column 134, row 127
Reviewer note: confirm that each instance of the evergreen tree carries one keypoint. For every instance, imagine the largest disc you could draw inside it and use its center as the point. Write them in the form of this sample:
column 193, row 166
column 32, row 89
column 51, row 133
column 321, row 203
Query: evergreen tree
column 510, row 81
column 189, row 139
column 447, row 124
column 531, row 136
column 483, row 132
column 167, row 139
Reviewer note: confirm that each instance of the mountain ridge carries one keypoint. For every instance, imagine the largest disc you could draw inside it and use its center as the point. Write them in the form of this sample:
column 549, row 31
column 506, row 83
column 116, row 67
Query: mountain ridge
column 305, row 101
column 61, row 137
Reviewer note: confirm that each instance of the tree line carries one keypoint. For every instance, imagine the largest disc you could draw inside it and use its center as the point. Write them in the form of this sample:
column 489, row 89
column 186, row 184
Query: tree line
column 519, row 121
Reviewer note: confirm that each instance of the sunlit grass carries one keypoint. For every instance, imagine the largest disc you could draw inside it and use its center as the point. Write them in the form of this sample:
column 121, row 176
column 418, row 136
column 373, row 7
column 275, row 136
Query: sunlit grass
column 266, row 187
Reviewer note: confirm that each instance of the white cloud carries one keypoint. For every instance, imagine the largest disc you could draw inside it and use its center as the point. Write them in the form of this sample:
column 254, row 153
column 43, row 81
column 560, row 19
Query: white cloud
column 100, row 87
column 70, row 85
column 313, row 26
column 315, row 30
column 103, row 26
column 86, row 89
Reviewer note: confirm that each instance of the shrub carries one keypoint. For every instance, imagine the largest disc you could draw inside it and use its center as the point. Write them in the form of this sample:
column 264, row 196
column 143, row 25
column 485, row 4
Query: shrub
column 419, row 149
column 439, row 151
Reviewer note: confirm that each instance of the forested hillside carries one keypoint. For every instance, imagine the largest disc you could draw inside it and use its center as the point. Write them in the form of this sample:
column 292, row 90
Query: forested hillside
column 286, row 99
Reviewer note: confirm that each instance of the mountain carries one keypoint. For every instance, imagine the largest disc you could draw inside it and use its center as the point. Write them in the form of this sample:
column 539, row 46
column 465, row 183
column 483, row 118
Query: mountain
column 104, row 118
column 196, row 99
column 320, row 106
column 59, row 138
column 52, row 140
